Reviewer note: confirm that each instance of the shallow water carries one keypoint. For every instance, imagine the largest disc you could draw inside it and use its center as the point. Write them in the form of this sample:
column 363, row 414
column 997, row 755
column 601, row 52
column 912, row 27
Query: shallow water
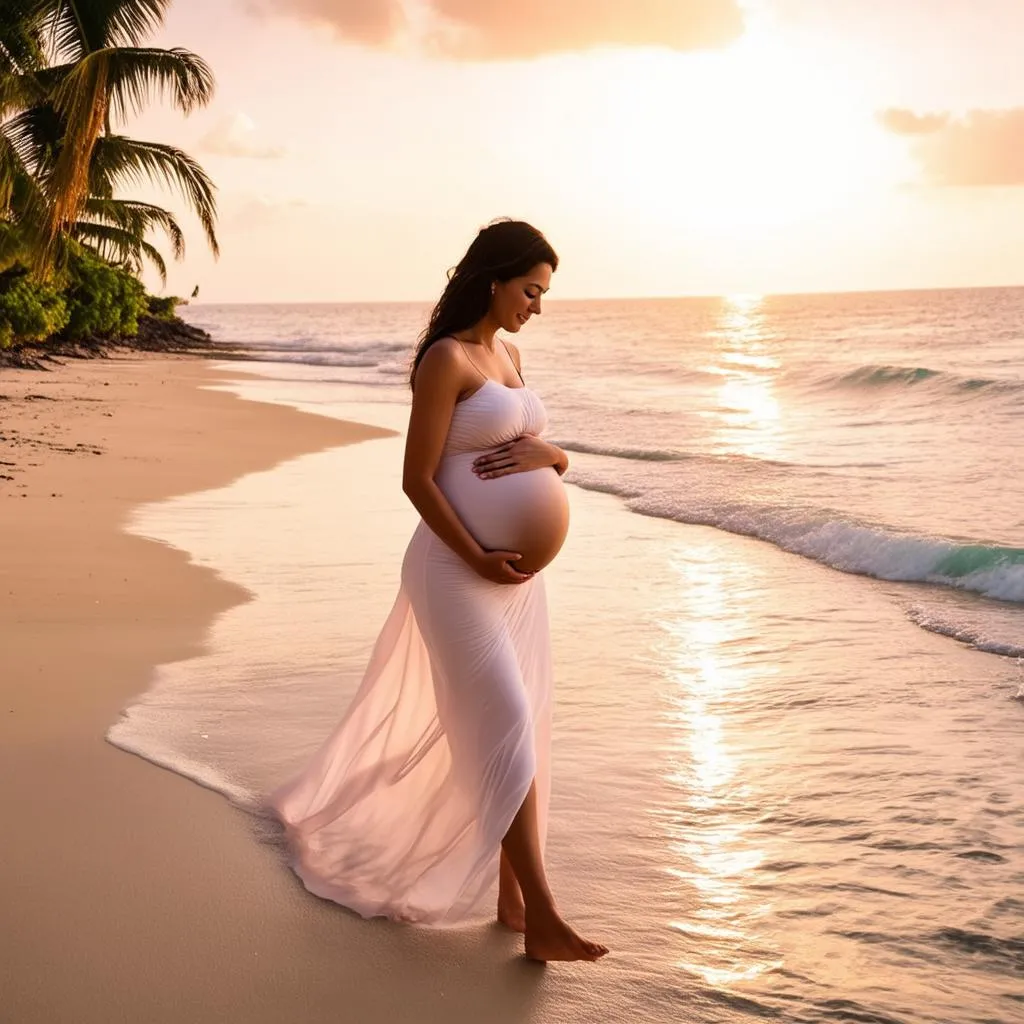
column 775, row 796
column 875, row 433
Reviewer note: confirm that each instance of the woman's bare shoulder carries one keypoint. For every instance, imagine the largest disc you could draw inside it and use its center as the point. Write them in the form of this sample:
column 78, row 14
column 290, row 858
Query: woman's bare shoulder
column 444, row 353
column 444, row 363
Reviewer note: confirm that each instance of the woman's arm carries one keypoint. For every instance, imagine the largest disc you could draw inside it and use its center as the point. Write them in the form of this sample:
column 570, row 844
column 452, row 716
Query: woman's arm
column 439, row 380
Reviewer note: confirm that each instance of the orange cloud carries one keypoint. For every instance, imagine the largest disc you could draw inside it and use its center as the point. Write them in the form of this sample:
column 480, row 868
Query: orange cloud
column 495, row 29
column 372, row 22
column 985, row 147
column 906, row 122
column 498, row 29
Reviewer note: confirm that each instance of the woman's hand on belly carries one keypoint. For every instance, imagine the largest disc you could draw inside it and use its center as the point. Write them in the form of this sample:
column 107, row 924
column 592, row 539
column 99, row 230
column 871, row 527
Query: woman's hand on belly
column 497, row 567
column 521, row 455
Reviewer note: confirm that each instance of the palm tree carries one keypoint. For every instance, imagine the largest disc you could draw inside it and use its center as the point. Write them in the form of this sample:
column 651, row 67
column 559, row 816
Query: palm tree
column 57, row 124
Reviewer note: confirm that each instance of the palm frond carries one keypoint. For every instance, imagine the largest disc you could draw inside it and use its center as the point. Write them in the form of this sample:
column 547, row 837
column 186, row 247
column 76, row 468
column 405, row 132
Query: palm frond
column 82, row 26
column 121, row 161
column 35, row 134
column 21, row 46
column 118, row 246
column 130, row 21
column 83, row 109
column 137, row 218
column 66, row 36
column 134, row 75
column 22, row 203
column 11, row 167
column 21, row 90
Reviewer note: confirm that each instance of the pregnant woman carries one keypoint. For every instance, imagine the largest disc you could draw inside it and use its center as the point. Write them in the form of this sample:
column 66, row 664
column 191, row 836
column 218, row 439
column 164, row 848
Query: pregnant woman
column 437, row 778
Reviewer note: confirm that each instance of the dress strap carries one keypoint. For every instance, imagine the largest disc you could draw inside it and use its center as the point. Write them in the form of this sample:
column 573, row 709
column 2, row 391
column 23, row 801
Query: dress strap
column 470, row 358
column 513, row 362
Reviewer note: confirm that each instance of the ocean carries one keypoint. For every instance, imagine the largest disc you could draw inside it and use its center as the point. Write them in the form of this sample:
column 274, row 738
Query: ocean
column 788, row 631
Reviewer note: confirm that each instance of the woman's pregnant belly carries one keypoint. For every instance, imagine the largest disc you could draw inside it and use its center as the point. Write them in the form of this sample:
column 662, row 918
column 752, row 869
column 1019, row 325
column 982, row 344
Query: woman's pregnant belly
column 523, row 512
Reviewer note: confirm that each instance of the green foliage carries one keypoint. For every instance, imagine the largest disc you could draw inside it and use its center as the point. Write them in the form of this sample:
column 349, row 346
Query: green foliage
column 29, row 310
column 102, row 300
column 163, row 307
column 91, row 299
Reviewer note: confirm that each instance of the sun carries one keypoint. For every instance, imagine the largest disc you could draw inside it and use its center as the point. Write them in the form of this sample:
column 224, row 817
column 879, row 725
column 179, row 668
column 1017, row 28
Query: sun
column 734, row 144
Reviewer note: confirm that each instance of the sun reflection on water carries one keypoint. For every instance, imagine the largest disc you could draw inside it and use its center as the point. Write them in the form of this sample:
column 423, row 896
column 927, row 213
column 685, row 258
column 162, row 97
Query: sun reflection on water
column 747, row 406
column 710, row 827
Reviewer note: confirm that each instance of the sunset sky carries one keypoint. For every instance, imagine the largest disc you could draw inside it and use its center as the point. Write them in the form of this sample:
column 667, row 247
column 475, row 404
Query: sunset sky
column 666, row 147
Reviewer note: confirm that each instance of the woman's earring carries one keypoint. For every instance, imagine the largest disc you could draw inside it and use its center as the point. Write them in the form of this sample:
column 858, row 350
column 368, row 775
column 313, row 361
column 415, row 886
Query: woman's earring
column 492, row 287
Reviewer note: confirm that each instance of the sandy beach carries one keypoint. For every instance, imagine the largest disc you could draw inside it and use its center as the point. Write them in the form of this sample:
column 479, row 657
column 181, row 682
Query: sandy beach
column 129, row 893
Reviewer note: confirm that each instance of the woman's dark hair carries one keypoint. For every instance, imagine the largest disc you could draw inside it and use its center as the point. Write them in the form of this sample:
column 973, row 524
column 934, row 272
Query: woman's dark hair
column 501, row 251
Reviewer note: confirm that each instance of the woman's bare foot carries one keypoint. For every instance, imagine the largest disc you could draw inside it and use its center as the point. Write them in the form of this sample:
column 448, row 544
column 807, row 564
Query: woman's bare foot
column 548, row 937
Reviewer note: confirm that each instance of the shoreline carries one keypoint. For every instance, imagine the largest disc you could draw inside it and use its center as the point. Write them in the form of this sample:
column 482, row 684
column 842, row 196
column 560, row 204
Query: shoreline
column 92, row 444
column 163, row 335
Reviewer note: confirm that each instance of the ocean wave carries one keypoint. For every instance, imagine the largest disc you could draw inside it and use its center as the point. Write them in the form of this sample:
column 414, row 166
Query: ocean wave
column 613, row 451
column 320, row 346
column 316, row 359
column 320, row 352
column 1004, row 952
column 878, row 376
column 331, row 357
column 379, row 388
column 840, row 542
column 965, row 633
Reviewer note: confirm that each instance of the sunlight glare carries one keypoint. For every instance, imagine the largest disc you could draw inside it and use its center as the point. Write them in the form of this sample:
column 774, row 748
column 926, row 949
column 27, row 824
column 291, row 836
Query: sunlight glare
column 748, row 409
column 712, row 848
column 733, row 144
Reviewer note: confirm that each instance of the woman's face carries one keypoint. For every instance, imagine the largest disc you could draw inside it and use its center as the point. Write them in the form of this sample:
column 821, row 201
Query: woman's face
column 517, row 300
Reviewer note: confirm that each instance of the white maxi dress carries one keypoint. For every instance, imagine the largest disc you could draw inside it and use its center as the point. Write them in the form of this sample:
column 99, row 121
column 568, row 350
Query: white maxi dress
column 402, row 810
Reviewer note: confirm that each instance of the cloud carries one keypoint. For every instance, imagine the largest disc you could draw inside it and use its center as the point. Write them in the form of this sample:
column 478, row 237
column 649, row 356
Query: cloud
column 237, row 136
column 984, row 147
column 500, row 29
column 257, row 211
column 373, row 22
column 495, row 29
column 906, row 122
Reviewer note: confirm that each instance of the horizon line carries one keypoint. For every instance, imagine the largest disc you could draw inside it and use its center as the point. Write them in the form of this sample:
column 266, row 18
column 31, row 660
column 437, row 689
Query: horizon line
column 626, row 298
